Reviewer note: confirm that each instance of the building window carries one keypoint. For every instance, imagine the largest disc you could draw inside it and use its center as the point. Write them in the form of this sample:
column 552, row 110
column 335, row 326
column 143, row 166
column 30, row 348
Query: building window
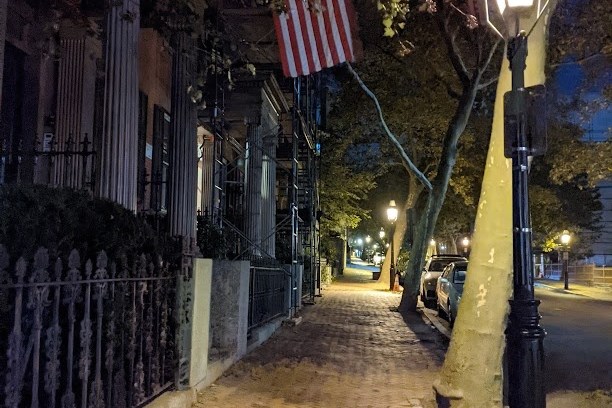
column 11, row 115
column 161, row 159
column 143, row 177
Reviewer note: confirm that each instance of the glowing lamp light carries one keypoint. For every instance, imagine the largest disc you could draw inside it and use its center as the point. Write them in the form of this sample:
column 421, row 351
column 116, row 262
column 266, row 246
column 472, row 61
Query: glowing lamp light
column 392, row 211
column 513, row 4
column 466, row 242
column 492, row 10
column 381, row 233
column 566, row 237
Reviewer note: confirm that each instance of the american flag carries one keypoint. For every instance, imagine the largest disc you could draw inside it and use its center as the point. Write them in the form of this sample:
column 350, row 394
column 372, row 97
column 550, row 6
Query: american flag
column 316, row 35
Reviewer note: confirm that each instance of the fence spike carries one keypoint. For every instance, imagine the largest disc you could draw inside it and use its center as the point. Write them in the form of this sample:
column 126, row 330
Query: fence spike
column 74, row 260
column 41, row 263
column 20, row 269
column 102, row 260
column 58, row 269
column 88, row 269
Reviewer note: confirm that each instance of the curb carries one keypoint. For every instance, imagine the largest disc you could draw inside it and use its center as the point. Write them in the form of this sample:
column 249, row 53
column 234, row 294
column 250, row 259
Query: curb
column 430, row 318
column 561, row 290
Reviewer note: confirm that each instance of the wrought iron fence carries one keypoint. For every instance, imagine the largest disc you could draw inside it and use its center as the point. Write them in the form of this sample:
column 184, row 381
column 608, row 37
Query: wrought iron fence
column 86, row 334
column 268, row 286
column 70, row 163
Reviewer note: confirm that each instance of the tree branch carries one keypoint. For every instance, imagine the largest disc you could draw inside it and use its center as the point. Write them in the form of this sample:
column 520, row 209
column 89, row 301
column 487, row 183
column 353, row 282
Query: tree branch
column 488, row 83
column 490, row 56
column 483, row 67
column 413, row 169
column 453, row 50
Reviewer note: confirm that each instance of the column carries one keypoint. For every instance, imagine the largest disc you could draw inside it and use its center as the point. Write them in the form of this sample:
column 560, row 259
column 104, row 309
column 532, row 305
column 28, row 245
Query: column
column 253, row 184
column 183, row 144
column 119, row 147
column 75, row 107
column 268, row 193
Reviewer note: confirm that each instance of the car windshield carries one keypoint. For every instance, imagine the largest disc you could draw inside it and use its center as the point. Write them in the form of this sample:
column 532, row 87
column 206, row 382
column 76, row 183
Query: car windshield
column 459, row 276
column 438, row 266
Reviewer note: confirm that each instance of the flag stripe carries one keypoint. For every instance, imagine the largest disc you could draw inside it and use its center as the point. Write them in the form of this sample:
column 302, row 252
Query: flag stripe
column 342, row 31
column 282, row 47
column 313, row 39
column 322, row 39
column 346, row 25
column 297, row 39
column 304, row 29
column 315, row 50
column 329, row 32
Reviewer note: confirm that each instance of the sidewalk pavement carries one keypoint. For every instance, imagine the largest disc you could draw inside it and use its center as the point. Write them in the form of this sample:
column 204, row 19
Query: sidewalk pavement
column 351, row 350
column 595, row 292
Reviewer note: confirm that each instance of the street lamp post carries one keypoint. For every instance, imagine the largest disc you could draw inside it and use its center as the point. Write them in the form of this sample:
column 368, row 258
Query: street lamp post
column 525, row 347
column 392, row 217
column 565, row 240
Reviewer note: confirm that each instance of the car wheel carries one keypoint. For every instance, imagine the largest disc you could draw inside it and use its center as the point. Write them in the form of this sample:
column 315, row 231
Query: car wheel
column 451, row 317
column 440, row 310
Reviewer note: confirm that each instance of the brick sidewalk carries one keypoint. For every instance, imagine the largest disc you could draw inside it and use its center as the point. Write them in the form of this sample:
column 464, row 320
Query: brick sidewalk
column 350, row 350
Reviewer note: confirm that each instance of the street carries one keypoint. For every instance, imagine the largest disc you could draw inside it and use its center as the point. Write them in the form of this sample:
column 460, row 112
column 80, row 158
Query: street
column 577, row 346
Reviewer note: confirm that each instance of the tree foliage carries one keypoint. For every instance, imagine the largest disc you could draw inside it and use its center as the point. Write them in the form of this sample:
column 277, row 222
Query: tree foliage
column 344, row 186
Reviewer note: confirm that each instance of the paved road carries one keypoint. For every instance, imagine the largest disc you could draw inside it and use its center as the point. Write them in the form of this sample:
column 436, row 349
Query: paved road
column 578, row 346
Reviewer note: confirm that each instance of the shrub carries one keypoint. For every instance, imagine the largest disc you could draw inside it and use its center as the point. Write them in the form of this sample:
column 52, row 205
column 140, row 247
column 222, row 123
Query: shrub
column 210, row 239
column 61, row 219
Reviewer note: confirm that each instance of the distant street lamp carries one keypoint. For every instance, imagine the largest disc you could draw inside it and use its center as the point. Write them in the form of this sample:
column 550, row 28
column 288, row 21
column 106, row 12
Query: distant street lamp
column 565, row 241
column 525, row 336
column 466, row 244
column 392, row 217
column 381, row 233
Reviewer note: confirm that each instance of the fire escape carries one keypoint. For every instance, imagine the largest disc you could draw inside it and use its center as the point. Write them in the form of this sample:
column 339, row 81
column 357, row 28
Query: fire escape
column 296, row 231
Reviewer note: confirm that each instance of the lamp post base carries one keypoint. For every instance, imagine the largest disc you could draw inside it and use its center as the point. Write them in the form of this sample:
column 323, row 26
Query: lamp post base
column 525, row 355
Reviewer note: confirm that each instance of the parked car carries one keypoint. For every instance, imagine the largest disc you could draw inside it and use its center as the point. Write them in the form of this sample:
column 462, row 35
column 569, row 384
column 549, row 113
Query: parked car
column 378, row 258
column 450, row 288
column 431, row 272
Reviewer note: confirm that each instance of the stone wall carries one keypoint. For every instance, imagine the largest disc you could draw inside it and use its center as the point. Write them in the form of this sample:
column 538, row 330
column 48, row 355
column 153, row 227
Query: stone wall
column 229, row 310
column 200, row 330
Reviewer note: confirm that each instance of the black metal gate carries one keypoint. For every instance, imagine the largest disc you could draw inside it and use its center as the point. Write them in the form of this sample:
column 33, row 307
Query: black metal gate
column 268, row 287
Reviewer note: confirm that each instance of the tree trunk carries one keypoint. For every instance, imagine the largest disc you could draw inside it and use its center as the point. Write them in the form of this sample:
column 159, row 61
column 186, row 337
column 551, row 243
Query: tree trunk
column 400, row 230
column 435, row 199
column 472, row 376
column 452, row 244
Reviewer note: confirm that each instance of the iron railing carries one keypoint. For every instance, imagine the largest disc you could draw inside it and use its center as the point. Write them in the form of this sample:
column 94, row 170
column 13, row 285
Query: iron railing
column 85, row 334
column 70, row 165
column 268, row 286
